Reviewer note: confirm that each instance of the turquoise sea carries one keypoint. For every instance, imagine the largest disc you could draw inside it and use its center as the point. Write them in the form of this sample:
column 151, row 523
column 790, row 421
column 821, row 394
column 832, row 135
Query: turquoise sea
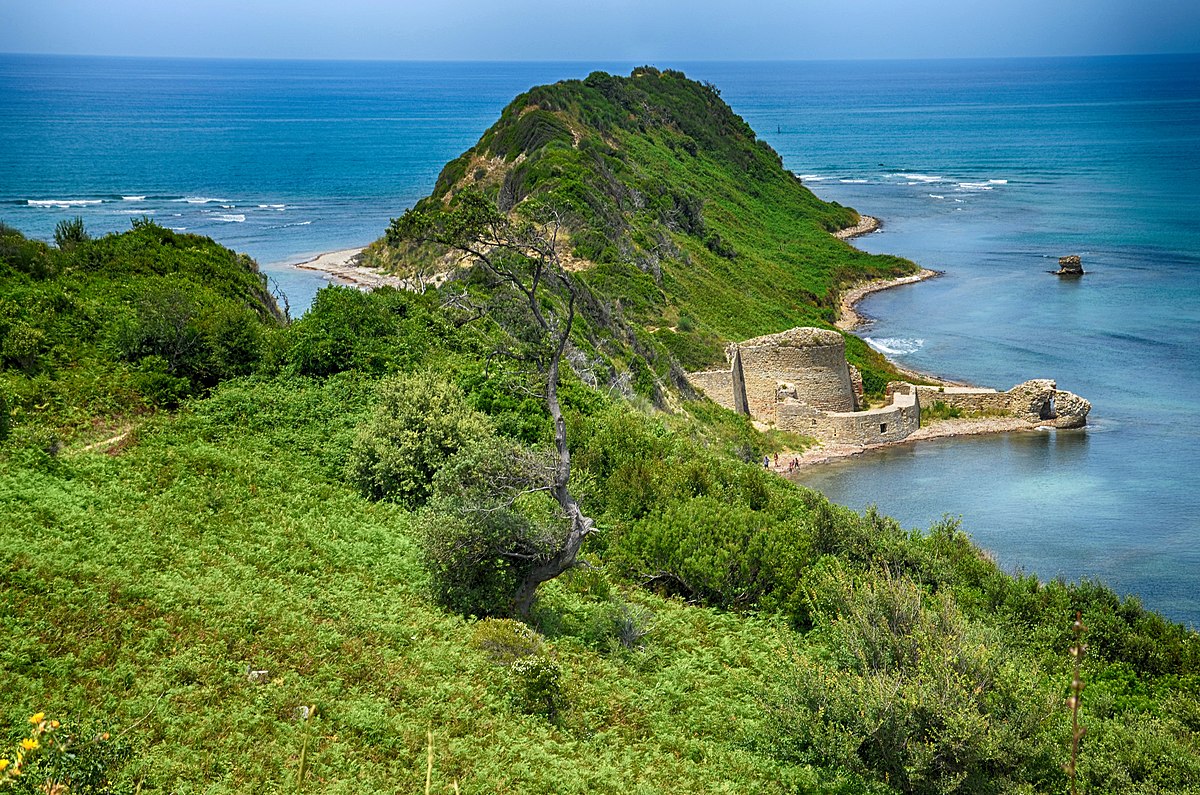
column 986, row 170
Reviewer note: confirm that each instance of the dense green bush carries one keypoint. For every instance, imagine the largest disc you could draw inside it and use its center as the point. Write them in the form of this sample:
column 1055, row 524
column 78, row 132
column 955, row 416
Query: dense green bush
column 70, row 232
column 420, row 422
column 912, row 694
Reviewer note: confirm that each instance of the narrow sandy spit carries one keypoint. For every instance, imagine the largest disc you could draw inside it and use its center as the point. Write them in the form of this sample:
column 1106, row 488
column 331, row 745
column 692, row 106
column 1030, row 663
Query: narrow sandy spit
column 343, row 268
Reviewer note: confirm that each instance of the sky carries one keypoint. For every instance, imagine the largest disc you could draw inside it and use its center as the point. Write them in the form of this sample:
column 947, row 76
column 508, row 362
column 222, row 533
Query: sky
column 621, row 30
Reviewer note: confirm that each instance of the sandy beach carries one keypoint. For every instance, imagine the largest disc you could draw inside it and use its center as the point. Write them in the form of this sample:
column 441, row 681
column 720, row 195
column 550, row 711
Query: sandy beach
column 342, row 267
column 849, row 319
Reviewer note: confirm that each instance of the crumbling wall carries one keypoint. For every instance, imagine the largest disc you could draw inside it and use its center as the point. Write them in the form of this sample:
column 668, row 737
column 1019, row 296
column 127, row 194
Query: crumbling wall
column 875, row 426
column 812, row 360
column 967, row 399
column 1038, row 401
column 716, row 384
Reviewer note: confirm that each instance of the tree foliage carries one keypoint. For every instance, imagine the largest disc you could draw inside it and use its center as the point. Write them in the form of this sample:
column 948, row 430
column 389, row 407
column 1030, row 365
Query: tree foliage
column 535, row 299
column 420, row 423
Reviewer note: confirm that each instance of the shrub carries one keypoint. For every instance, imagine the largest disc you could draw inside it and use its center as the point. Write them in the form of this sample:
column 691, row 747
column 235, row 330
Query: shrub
column 70, row 232
column 940, row 411
column 538, row 685
column 911, row 693
column 505, row 640
column 419, row 423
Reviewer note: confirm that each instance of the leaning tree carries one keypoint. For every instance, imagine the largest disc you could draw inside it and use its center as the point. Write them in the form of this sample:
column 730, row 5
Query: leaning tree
column 537, row 300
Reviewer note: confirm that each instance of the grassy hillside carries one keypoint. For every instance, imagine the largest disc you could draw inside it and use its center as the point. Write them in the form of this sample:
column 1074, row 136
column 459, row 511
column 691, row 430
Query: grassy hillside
column 675, row 208
column 96, row 332
column 247, row 590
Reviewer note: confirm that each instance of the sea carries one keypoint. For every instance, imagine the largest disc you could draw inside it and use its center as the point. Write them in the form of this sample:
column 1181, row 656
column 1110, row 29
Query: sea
column 985, row 170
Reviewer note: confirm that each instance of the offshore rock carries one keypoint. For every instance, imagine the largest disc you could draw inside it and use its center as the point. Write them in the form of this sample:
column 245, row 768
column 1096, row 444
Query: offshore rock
column 1070, row 265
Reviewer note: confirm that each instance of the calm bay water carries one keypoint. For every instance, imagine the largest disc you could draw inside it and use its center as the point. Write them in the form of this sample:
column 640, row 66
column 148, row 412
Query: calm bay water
column 986, row 170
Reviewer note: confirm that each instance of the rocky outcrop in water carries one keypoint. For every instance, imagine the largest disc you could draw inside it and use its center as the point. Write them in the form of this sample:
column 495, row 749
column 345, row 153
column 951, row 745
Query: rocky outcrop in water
column 1070, row 265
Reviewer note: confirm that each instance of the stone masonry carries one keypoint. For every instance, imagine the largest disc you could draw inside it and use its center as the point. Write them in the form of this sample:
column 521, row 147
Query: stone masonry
column 798, row 380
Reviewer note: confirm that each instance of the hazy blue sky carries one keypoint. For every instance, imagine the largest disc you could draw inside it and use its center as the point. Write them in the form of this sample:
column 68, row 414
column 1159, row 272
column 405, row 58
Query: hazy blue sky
column 599, row 29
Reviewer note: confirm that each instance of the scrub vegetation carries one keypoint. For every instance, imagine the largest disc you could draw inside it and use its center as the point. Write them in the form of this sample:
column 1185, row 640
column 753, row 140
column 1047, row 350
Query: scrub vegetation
column 239, row 554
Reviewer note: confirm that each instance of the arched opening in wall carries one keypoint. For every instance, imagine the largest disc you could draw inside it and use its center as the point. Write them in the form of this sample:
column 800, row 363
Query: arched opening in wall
column 1047, row 412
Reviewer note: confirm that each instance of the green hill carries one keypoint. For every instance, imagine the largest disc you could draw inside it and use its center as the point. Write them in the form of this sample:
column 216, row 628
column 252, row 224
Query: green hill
column 675, row 209
column 292, row 570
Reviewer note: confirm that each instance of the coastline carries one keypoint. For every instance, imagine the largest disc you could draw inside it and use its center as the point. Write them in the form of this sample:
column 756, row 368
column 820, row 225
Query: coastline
column 937, row 429
column 342, row 267
column 865, row 226
column 848, row 320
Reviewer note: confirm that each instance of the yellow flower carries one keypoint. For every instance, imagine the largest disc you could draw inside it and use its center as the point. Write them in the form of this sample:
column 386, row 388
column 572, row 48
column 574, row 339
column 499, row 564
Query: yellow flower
column 38, row 718
column 3, row 764
column 29, row 743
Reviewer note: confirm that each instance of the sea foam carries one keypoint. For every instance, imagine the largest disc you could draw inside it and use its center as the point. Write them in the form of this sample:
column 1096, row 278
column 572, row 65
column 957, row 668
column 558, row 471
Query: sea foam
column 230, row 218
column 63, row 203
column 894, row 346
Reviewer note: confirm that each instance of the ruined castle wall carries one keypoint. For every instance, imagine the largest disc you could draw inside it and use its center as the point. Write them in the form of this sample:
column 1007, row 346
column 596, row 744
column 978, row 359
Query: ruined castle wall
column 817, row 368
column 716, row 384
column 971, row 401
column 890, row 424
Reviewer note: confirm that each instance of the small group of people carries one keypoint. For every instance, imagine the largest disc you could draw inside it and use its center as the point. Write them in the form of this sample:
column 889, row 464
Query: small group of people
column 792, row 465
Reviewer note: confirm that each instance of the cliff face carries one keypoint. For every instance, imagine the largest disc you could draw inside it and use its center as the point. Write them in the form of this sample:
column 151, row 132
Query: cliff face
column 675, row 209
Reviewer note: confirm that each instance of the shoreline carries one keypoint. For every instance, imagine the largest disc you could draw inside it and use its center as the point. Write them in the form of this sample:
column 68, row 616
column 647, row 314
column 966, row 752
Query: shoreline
column 848, row 320
column 865, row 226
column 938, row 429
column 342, row 267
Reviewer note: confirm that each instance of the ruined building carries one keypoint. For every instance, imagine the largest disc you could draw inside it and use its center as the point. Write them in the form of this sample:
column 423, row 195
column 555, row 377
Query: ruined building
column 798, row 380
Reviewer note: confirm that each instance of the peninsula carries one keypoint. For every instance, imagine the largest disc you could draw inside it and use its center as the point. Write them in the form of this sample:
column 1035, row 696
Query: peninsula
column 488, row 535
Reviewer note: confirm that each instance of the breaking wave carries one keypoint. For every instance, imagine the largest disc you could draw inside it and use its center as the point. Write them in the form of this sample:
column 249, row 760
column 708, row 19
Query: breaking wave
column 63, row 203
column 894, row 346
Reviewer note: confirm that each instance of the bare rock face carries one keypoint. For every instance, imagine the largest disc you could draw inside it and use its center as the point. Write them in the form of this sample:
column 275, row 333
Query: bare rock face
column 1070, row 410
column 1070, row 265
column 1041, row 402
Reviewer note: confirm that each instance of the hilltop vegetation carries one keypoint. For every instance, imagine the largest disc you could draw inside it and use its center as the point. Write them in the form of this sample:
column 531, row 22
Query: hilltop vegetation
column 274, row 535
column 676, row 211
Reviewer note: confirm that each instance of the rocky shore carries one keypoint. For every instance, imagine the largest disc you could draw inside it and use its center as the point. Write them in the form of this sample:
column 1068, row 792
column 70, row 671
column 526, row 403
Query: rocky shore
column 865, row 226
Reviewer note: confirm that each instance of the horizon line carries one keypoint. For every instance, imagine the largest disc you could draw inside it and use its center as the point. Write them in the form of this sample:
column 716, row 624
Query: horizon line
column 650, row 62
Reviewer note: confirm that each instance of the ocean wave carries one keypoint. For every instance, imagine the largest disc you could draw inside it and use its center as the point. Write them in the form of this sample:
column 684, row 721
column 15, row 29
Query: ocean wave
column 234, row 218
column 138, row 211
column 202, row 200
column 63, row 203
column 228, row 206
column 853, row 181
column 279, row 207
column 998, row 181
column 812, row 177
column 894, row 346
column 921, row 178
column 133, row 198
column 935, row 196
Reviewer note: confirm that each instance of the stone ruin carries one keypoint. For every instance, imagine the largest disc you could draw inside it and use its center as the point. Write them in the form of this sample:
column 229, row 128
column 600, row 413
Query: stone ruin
column 799, row 380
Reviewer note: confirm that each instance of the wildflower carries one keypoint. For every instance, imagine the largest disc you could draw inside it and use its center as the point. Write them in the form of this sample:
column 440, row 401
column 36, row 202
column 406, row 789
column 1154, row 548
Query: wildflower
column 37, row 718
column 29, row 744
column 3, row 764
